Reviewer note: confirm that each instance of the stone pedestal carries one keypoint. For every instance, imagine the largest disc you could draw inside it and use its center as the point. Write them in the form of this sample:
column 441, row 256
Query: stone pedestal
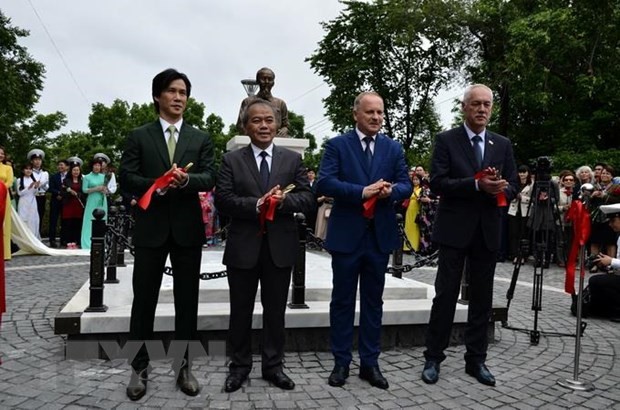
column 294, row 144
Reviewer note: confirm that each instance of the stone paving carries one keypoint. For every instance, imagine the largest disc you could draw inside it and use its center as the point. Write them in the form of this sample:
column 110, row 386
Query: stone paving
column 34, row 373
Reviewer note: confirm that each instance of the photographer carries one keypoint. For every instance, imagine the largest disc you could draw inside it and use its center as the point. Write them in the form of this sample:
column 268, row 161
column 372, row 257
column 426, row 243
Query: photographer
column 605, row 287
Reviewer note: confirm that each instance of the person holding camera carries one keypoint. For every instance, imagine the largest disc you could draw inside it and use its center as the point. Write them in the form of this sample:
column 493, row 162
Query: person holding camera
column 602, row 237
column 605, row 287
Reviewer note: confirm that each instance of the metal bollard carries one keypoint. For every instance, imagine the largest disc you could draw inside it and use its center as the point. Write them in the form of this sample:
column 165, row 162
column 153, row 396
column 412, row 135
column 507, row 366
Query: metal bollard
column 397, row 254
column 113, row 217
column 123, row 228
column 298, row 298
column 97, row 255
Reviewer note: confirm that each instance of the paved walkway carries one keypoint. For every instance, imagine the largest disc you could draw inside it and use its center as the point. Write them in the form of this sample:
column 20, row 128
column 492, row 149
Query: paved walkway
column 34, row 373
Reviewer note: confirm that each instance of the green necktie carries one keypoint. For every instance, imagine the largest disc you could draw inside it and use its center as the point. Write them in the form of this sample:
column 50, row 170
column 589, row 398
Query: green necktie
column 172, row 142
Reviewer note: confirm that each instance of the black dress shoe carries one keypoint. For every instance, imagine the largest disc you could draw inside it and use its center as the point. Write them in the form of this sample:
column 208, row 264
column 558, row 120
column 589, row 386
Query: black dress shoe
column 374, row 377
column 234, row 381
column 481, row 373
column 187, row 382
column 338, row 376
column 136, row 389
column 280, row 379
column 430, row 374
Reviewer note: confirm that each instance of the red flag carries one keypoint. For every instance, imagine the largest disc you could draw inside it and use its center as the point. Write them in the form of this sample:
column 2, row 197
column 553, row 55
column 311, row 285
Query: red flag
column 580, row 217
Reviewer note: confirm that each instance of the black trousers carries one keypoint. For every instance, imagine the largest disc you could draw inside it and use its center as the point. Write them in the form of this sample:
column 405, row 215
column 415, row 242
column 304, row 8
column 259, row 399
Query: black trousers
column 148, row 270
column 55, row 212
column 447, row 285
column 41, row 211
column 605, row 294
column 243, row 284
column 71, row 230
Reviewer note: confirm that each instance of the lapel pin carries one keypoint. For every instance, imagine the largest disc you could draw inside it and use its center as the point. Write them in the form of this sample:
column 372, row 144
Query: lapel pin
column 490, row 142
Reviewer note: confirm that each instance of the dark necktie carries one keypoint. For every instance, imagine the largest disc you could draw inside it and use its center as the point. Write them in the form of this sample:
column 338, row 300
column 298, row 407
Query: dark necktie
column 477, row 139
column 368, row 151
column 264, row 171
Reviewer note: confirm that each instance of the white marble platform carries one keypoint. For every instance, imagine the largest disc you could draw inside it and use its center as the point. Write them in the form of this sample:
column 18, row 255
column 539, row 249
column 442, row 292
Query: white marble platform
column 298, row 145
column 405, row 301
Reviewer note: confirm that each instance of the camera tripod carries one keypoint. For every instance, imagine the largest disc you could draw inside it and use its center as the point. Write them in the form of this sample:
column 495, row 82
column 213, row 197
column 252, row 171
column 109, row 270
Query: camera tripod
column 544, row 224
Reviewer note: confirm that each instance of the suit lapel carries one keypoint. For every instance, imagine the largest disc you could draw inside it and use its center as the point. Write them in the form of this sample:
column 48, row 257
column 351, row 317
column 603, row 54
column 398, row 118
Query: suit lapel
column 356, row 147
column 489, row 149
column 185, row 136
column 157, row 136
column 276, row 164
column 250, row 163
column 468, row 149
column 379, row 152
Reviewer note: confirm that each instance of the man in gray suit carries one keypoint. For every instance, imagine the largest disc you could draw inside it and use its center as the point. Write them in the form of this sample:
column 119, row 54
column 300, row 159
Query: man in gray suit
column 249, row 180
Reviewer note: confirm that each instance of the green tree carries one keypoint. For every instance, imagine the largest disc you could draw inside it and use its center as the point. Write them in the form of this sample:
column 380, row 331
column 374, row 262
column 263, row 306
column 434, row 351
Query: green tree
column 21, row 128
column 110, row 125
column 403, row 50
column 554, row 65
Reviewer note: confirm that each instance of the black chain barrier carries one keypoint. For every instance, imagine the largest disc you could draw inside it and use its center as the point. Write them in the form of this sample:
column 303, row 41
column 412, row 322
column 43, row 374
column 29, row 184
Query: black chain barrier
column 315, row 243
column 112, row 237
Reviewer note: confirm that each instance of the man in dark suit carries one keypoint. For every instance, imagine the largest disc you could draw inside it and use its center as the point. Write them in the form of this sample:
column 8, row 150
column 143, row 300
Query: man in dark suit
column 467, row 226
column 249, row 179
column 171, row 225
column 358, row 166
column 55, row 189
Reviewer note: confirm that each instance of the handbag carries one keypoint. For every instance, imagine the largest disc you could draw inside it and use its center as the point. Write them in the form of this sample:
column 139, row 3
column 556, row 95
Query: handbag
column 586, row 300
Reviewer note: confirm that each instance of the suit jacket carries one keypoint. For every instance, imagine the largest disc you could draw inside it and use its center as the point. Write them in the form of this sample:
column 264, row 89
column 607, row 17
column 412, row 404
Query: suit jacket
column 461, row 207
column 344, row 174
column 55, row 188
column 178, row 212
column 239, row 189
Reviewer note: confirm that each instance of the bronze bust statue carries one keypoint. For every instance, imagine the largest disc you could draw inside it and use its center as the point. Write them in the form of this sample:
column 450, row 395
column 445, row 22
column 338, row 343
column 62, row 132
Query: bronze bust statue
column 265, row 78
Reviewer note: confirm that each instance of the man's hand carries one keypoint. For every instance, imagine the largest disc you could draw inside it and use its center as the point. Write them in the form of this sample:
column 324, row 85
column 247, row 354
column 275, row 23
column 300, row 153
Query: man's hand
column 603, row 260
column 275, row 193
column 492, row 184
column 179, row 174
column 386, row 191
column 374, row 189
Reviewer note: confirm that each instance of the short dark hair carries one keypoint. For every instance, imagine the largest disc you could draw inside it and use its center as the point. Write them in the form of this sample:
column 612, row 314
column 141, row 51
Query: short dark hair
column 245, row 113
column 162, row 80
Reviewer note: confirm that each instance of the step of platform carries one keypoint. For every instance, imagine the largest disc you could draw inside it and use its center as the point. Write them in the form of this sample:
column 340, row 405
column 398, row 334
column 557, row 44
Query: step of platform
column 406, row 310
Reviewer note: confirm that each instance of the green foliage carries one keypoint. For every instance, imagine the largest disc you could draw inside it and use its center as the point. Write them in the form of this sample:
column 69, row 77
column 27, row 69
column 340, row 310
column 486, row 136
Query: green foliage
column 21, row 82
column 555, row 67
column 404, row 51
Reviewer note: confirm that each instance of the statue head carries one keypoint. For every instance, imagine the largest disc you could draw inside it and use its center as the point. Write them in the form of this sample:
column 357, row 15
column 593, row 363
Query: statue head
column 265, row 78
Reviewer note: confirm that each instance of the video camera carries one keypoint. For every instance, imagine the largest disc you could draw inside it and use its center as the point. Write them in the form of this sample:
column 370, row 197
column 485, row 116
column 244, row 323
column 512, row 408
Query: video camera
column 542, row 169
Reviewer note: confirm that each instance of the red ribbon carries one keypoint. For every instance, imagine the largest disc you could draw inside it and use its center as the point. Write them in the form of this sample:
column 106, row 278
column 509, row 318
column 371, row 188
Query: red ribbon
column 267, row 212
column 580, row 218
column 501, row 197
column 160, row 183
column 369, row 207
